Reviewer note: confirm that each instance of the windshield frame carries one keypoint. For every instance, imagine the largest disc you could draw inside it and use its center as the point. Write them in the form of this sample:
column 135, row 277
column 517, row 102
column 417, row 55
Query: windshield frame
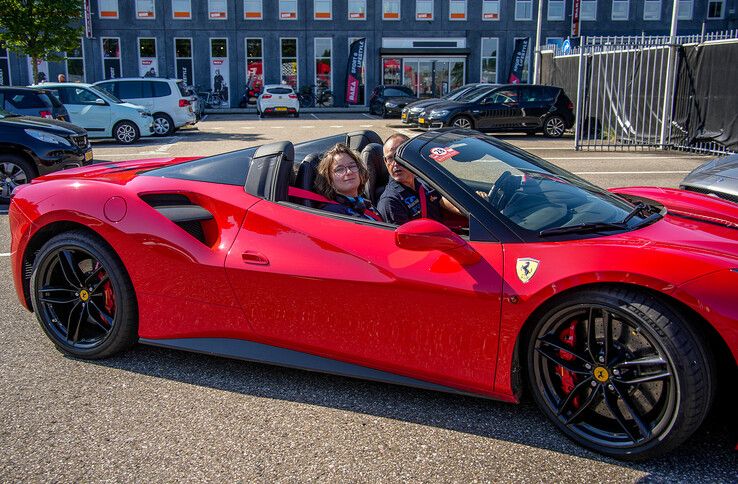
column 107, row 96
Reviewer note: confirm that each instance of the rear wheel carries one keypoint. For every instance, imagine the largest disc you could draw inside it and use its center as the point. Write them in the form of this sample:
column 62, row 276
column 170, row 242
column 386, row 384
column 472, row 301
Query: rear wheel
column 163, row 125
column 125, row 132
column 83, row 297
column 14, row 171
column 620, row 372
column 464, row 122
column 554, row 126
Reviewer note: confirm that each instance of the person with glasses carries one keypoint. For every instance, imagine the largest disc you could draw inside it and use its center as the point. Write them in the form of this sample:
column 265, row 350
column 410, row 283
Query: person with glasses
column 406, row 197
column 341, row 178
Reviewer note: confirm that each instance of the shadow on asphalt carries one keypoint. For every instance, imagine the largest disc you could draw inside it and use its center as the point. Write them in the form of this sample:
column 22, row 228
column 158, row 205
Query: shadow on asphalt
column 708, row 455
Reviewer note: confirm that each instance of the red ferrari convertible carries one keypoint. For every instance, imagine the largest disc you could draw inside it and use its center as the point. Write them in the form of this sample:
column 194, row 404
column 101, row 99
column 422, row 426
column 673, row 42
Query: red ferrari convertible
column 615, row 309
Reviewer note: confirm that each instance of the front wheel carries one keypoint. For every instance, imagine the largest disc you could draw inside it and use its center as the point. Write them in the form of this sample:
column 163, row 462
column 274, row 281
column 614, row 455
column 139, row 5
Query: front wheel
column 14, row 171
column 554, row 126
column 620, row 372
column 82, row 296
column 125, row 133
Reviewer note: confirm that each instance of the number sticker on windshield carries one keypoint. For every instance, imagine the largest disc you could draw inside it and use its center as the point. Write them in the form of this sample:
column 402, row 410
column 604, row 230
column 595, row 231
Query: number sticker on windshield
column 442, row 154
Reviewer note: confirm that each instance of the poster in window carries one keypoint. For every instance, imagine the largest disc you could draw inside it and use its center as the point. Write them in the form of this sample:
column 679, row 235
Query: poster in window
column 43, row 71
column 145, row 9
column 219, row 78
column 217, row 10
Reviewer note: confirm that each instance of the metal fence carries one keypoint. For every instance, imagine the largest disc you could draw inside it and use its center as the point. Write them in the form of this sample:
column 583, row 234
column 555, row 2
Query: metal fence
column 629, row 94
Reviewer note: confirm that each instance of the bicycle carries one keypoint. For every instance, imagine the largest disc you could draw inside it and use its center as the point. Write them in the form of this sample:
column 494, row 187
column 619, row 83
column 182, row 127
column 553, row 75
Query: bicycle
column 310, row 97
column 211, row 100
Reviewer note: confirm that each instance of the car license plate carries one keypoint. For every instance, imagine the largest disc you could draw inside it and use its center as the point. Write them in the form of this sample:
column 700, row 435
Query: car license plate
column 280, row 109
column 421, row 120
column 88, row 156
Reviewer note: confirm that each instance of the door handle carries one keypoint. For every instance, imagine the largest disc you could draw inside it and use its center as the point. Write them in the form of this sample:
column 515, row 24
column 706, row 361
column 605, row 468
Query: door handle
column 257, row 258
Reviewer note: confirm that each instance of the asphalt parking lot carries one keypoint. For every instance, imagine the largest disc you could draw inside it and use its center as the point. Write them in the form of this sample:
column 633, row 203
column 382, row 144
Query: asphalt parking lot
column 159, row 415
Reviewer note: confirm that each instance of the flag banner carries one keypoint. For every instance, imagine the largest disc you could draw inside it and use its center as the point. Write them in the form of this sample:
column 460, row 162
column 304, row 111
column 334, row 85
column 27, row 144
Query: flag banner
column 354, row 70
column 519, row 57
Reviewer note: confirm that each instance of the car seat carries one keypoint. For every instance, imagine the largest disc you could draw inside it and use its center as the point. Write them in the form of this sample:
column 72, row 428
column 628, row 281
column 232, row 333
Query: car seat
column 372, row 157
column 307, row 172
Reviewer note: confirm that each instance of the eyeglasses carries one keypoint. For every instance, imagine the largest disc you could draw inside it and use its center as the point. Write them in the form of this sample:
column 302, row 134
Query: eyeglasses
column 390, row 159
column 342, row 170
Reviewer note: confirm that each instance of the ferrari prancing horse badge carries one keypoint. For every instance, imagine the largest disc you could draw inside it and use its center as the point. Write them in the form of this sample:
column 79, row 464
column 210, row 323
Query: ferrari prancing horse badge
column 526, row 268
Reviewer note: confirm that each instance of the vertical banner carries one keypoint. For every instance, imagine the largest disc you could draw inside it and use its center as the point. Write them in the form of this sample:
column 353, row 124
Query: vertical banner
column 88, row 20
column 575, row 14
column 354, row 71
column 219, row 75
column 43, row 71
column 520, row 55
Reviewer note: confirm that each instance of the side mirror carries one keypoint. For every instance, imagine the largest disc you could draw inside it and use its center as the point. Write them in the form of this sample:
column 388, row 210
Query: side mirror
column 426, row 234
column 100, row 102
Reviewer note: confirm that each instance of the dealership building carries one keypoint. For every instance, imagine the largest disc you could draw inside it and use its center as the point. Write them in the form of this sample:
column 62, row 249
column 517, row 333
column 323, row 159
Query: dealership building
column 431, row 46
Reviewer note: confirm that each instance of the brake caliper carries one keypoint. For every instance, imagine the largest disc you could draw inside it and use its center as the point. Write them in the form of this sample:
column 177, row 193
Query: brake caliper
column 568, row 336
column 108, row 292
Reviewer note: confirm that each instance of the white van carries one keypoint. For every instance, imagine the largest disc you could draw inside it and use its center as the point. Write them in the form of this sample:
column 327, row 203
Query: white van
column 167, row 99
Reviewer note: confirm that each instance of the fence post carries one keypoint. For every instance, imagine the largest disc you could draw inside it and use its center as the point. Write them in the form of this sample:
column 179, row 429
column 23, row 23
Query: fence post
column 670, row 68
column 580, row 98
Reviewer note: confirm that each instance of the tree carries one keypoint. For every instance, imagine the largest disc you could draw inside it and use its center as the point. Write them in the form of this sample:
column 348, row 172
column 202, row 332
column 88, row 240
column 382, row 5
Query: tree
column 41, row 29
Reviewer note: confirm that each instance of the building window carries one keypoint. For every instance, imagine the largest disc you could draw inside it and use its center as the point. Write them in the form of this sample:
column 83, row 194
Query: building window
column 145, row 9
column 489, row 60
column 555, row 10
column 686, row 9
column 253, row 9
column 4, row 66
column 323, row 9
column 323, row 63
column 183, row 60
column 391, row 71
column 288, row 9
column 390, row 9
column 217, row 9
column 652, row 10
column 457, row 10
column 357, row 10
column 255, row 64
column 288, row 62
column 182, row 9
column 108, row 8
column 111, row 57
column 523, row 9
column 716, row 9
column 423, row 9
column 588, row 10
column 75, row 64
column 491, row 10
column 148, row 64
column 621, row 9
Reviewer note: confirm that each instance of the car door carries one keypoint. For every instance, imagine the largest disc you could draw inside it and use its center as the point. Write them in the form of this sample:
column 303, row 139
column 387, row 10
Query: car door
column 503, row 110
column 535, row 102
column 85, row 110
column 340, row 288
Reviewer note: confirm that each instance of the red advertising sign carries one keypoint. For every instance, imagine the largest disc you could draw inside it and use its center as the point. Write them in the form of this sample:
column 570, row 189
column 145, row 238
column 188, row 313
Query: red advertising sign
column 575, row 13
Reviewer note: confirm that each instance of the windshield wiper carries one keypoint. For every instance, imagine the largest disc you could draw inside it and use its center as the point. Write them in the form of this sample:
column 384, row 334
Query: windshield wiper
column 638, row 207
column 583, row 228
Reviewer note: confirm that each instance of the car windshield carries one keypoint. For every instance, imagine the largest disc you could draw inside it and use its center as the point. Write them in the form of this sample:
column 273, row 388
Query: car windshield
column 5, row 114
column 474, row 95
column 458, row 92
column 531, row 193
column 105, row 94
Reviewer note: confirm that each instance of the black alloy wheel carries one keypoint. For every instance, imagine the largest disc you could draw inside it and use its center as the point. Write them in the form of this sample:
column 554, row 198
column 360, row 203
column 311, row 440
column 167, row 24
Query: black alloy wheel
column 554, row 126
column 82, row 297
column 620, row 372
column 14, row 171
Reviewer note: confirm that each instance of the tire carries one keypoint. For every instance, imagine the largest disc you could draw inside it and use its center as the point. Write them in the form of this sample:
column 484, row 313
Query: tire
column 383, row 112
column 14, row 171
column 92, row 318
column 610, row 399
column 261, row 115
column 163, row 124
column 464, row 122
column 554, row 126
column 126, row 132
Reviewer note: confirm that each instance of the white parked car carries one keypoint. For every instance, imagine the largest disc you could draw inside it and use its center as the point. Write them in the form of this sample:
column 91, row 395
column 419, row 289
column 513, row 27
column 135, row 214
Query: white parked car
column 278, row 98
column 167, row 99
column 100, row 113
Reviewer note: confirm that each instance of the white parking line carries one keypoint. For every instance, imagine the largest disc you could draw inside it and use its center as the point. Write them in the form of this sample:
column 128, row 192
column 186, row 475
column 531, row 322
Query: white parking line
column 631, row 172
column 336, row 126
column 315, row 116
column 366, row 125
column 307, row 127
column 5, row 254
column 277, row 127
column 166, row 147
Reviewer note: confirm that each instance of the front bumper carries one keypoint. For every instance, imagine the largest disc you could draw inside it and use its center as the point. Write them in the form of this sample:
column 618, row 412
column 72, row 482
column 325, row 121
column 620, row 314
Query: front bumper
column 409, row 118
column 56, row 158
column 395, row 111
column 431, row 123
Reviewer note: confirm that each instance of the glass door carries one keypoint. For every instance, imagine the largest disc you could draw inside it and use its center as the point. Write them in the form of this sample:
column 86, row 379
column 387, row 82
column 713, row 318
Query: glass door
column 425, row 79
column 440, row 79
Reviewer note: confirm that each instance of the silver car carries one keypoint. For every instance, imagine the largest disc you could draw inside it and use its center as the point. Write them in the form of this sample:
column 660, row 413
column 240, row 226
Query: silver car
column 717, row 177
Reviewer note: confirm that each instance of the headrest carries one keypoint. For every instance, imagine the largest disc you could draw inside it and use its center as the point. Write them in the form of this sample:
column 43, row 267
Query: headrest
column 372, row 157
column 357, row 140
column 306, row 174
column 269, row 174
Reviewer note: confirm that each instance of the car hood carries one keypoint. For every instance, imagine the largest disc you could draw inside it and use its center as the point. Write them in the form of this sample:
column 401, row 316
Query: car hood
column 424, row 103
column 447, row 105
column 137, row 107
column 50, row 125
column 401, row 100
column 726, row 167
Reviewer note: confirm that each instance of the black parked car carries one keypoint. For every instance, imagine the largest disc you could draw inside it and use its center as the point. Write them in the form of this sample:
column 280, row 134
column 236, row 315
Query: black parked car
column 412, row 111
column 510, row 107
column 388, row 101
column 32, row 102
column 32, row 146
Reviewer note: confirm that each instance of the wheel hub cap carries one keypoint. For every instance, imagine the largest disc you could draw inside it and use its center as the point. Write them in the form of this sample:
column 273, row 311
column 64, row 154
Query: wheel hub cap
column 84, row 295
column 601, row 374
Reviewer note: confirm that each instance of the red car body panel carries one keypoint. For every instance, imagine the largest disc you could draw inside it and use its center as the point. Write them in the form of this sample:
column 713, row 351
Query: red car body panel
column 274, row 274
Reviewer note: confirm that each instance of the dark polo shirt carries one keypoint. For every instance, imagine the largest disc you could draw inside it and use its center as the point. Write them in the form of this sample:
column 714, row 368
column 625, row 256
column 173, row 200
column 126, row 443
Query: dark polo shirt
column 399, row 204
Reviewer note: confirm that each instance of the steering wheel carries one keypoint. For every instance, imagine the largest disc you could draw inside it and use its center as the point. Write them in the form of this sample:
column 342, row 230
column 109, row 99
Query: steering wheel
column 502, row 191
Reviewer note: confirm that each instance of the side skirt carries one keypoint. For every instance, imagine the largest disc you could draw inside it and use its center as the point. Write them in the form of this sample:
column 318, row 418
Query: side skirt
column 273, row 355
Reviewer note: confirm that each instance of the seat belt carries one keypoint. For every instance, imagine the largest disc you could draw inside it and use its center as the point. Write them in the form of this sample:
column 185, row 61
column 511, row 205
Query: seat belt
column 308, row 195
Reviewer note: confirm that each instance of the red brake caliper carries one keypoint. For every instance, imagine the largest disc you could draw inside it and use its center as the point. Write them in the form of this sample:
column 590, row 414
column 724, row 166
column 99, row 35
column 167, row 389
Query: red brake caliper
column 108, row 291
column 568, row 336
